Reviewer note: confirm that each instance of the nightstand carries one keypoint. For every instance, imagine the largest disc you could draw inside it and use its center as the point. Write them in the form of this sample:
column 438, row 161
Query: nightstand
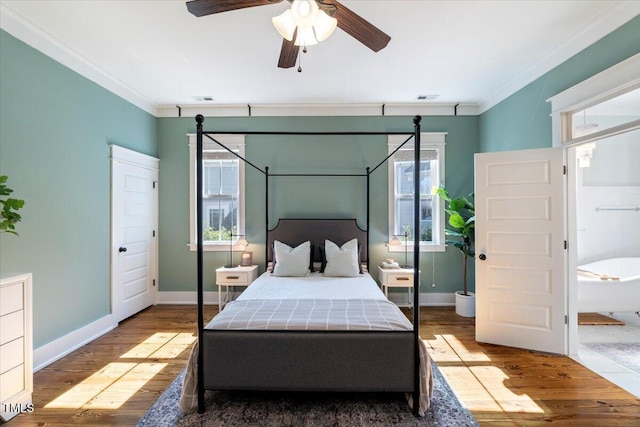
column 397, row 278
column 234, row 276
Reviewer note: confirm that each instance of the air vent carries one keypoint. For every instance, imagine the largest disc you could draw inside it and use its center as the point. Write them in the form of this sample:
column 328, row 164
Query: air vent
column 204, row 98
column 427, row 97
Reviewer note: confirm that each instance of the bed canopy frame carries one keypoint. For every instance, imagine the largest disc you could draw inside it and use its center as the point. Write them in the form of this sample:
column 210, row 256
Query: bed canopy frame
column 411, row 135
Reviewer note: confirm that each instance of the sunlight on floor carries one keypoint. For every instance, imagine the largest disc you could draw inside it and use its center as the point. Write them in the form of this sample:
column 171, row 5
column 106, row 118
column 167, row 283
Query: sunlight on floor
column 466, row 372
column 114, row 384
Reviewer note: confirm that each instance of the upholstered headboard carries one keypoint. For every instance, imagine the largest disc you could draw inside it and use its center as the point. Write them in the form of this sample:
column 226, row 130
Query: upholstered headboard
column 296, row 231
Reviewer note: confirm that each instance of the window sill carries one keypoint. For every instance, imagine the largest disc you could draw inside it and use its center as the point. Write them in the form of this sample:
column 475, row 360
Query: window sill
column 216, row 247
column 424, row 247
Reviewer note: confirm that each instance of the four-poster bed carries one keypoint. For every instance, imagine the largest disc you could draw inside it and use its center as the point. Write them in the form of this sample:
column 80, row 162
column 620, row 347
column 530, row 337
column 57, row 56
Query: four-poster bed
column 311, row 336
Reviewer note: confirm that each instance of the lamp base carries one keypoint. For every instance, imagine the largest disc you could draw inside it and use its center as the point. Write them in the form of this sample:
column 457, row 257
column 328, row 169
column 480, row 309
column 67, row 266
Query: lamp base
column 229, row 266
column 407, row 266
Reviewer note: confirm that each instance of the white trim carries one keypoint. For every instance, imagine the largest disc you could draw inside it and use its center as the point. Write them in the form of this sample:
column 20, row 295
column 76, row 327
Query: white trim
column 609, row 22
column 186, row 297
column 230, row 141
column 616, row 80
column 427, row 299
column 428, row 140
column 312, row 110
column 40, row 40
column 126, row 155
column 57, row 349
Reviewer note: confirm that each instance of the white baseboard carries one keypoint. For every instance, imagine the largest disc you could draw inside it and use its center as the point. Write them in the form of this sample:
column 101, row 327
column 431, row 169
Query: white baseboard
column 50, row 352
column 426, row 298
column 185, row 297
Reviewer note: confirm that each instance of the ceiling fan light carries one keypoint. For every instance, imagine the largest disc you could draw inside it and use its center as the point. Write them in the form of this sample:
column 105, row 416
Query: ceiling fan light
column 304, row 12
column 305, row 37
column 284, row 24
column 325, row 26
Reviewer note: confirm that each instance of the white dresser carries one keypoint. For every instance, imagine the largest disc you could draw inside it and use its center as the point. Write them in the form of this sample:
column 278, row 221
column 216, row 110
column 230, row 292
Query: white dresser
column 16, row 346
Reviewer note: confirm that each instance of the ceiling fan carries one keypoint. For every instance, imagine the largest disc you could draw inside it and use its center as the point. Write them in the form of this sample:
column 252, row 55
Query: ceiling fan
column 350, row 22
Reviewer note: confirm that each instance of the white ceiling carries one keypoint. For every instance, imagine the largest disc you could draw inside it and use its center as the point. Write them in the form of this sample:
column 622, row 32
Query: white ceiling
column 155, row 53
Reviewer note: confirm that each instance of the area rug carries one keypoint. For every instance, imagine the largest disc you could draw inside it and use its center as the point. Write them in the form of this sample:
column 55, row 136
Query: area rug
column 626, row 354
column 309, row 409
column 597, row 319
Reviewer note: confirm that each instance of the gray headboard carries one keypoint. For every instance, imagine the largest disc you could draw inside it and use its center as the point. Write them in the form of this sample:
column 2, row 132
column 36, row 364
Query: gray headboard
column 295, row 231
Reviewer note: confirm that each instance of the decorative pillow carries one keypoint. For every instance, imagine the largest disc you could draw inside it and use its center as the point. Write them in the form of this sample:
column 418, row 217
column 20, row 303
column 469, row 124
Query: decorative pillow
column 312, row 266
column 323, row 257
column 342, row 261
column 291, row 261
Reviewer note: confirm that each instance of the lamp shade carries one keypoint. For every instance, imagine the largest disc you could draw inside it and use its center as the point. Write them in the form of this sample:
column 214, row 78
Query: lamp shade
column 285, row 24
column 313, row 24
column 242, row 242
column 325, row 26
column 395, row 241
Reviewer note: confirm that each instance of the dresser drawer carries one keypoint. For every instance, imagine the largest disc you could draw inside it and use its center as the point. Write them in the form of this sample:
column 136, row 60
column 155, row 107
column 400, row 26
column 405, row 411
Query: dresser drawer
column 11, row 326
column 400, row 279
column 11, row 298
column 11, row 354
column 233, row 277
column 11, row 382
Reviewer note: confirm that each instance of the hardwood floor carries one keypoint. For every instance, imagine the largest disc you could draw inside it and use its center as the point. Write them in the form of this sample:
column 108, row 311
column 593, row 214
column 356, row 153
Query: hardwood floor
column 114, row 380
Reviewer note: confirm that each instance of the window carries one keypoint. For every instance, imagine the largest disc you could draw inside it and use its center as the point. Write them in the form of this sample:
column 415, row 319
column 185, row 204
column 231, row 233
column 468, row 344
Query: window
column 223, row 191
column 401, row 189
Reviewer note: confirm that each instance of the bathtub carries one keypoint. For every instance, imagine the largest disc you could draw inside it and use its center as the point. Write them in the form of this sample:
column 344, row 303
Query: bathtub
column 597, row 295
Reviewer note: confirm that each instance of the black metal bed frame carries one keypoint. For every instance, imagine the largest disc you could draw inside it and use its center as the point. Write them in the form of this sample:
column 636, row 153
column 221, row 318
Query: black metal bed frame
column 415, row 135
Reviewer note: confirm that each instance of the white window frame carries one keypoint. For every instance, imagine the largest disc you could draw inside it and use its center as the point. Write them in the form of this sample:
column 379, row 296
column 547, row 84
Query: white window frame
column 428, row 141
column 233, row 142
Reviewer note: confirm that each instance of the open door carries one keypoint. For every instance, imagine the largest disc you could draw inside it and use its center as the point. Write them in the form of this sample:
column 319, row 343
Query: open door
column 520, row 248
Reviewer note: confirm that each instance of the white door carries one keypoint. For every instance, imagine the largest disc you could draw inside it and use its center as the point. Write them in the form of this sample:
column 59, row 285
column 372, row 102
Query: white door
column 520, row 249
column 134, row 216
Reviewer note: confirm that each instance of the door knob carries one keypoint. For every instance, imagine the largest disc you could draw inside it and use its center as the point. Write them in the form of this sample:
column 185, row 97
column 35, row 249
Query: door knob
column 122, row 249
column 482, row 257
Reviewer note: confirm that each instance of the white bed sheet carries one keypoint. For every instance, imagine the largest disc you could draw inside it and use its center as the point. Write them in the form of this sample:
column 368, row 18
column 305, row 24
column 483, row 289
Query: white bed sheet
column 313, row 286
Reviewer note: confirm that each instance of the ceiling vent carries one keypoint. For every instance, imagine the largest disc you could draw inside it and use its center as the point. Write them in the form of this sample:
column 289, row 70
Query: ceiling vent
column 204, row 98
column 427, row 97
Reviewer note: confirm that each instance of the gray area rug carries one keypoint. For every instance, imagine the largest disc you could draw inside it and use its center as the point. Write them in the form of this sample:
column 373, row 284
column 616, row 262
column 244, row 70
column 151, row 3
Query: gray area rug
column 626, row 354
column 242, row 408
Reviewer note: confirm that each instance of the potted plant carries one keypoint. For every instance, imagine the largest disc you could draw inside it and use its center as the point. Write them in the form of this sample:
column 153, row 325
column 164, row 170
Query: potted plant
column 9, row 216
column 462, row 222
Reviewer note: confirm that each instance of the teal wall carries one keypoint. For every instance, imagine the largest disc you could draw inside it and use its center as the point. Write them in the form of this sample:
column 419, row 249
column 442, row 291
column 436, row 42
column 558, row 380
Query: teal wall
column 305, row 197
column 523, row 121
column 55, row 127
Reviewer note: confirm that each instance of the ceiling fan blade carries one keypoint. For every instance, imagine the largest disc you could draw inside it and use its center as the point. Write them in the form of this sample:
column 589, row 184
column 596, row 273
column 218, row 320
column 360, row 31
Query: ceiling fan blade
column 359, row 28
column 209, row 7
column 288, row 53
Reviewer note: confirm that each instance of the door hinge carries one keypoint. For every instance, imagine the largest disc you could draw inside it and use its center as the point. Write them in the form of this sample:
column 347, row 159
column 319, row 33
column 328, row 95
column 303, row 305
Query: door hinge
column 154, row 233
column 154, row 184
column 566, row 318
column 154, row 284
column 564, row 169
column 565, row 245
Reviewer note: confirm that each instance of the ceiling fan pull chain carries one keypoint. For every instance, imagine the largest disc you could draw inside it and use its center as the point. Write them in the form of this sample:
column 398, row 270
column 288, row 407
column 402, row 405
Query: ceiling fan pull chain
column 304, row 49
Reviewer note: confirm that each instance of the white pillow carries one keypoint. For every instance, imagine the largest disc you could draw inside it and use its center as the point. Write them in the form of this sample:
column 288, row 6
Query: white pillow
column 291, row 261
column 341, row 261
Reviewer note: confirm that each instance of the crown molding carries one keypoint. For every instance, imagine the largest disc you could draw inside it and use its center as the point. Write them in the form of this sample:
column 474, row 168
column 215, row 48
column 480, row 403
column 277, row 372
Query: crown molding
column 28, row 33
column 312, row 110
column 615, row 18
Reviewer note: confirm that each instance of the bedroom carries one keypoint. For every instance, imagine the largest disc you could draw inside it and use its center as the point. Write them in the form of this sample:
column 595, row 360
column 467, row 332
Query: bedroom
column 59, row 124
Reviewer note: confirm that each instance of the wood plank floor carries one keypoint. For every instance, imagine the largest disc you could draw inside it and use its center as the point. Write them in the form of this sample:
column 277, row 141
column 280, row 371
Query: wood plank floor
column 116, row 378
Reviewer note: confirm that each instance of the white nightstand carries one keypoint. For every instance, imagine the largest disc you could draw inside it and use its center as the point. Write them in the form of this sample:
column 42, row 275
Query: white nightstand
column 397, row 278
column 234, row 276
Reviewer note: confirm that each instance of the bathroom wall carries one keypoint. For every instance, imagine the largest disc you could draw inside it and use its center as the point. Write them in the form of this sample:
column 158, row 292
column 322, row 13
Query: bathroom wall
column 611, row 181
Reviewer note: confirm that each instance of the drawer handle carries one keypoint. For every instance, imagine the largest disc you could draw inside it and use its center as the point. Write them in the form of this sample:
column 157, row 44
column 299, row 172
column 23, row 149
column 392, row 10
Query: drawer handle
column 403, row 278
column 233, row 277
